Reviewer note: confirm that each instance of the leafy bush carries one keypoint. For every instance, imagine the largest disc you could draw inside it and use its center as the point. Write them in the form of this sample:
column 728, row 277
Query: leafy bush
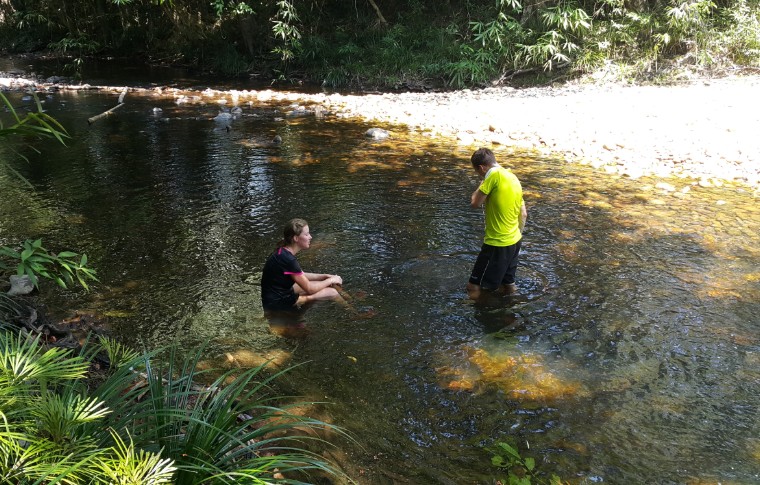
column 34, row 261
column 416, row 44
column 147, row 421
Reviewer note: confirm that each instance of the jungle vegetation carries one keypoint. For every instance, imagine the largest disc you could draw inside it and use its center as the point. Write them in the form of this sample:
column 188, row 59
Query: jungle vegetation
column 413, row 44
column 106, row 414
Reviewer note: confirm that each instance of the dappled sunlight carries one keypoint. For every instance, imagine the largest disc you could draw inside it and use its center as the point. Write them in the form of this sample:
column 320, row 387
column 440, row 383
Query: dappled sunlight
column 355, row 166
column 712, row 481
column 247, row 359
column 727, row 284
column 259, row 143
column 573, row 252
column 745, row 338
column 596, row 200
column 305, row 158
column 521, row 377
column 715, row 238
column 752, row 277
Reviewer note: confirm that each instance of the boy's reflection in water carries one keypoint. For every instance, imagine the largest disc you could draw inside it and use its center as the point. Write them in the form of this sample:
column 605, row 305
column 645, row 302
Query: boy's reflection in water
column 496, row 311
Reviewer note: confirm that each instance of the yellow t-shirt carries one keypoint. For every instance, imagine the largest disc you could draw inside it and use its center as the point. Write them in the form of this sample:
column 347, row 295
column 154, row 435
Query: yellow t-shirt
column 502, row 207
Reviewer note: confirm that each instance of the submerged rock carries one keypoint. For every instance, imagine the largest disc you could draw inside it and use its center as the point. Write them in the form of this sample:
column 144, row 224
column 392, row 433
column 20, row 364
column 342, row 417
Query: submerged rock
column 224, row 116
column 377, row 134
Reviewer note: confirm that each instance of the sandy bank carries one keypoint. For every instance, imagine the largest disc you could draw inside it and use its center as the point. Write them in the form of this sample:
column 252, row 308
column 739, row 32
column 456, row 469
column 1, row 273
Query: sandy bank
column 709, row 131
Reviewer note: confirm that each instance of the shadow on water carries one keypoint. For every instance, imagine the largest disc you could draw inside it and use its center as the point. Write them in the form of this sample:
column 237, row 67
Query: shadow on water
column 629, row 355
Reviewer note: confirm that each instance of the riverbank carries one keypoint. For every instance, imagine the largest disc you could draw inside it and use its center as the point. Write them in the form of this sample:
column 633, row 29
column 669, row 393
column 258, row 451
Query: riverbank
column 705, row 131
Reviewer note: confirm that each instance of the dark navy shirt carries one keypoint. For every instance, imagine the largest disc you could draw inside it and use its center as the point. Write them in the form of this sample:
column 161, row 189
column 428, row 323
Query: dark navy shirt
column 277, row 280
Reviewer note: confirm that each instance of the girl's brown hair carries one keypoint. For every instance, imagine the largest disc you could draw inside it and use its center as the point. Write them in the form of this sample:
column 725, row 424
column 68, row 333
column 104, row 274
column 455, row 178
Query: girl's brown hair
column 293, row 228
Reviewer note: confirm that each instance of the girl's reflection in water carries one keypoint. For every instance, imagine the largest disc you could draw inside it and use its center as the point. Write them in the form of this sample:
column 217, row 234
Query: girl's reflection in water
column 288, row 323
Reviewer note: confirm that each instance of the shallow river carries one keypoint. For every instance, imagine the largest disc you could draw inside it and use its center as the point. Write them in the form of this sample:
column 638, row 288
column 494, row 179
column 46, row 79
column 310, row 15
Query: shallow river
column 631, row 354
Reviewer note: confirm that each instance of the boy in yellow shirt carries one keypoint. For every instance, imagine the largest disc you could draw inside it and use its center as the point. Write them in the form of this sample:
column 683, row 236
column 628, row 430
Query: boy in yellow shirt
column 501, row 192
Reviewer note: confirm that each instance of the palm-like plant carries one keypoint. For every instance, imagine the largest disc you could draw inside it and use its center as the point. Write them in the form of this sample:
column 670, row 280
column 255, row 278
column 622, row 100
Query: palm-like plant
column 40, row 412
column 230, row 431
column 153, row 426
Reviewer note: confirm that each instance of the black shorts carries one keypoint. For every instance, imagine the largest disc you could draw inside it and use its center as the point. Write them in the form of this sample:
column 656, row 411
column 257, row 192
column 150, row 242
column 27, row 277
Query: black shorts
column 495, row 266
column 284, row 303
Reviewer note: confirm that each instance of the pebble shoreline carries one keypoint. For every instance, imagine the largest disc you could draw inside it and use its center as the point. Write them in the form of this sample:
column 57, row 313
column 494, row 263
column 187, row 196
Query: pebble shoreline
column 706, row 131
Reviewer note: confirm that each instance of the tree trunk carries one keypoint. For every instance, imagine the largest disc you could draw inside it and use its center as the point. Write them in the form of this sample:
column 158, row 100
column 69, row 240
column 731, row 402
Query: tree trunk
column 379, row 13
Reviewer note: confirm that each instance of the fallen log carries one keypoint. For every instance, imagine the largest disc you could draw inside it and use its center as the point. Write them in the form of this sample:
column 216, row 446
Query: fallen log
column 108, row 112
column 103, row 114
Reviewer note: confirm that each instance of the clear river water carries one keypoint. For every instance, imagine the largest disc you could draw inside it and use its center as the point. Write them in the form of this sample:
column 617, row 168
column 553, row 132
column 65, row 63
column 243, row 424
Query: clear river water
column 631, row 354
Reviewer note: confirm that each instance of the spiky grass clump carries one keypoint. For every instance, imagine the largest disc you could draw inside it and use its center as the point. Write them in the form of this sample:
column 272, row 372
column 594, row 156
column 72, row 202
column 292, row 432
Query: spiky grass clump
column 148, row 422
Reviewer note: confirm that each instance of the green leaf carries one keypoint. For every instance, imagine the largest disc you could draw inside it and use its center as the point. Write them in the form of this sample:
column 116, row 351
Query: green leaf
column 83, row 283
column 530, row 463
column 31, row 275
column 66, row 254
column 37, row 244
column 509, row 449
column 36, row 267
column 26, row 253
column 6, row 251
column 84, row 260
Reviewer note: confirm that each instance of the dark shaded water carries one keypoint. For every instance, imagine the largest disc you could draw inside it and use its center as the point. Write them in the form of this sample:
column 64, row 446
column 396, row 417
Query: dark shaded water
column 631, row 356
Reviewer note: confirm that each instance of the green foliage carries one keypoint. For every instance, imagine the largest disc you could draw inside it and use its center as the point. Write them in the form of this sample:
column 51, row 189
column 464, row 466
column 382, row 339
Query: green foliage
column 285, row 30
column 76, row 47
column 228, row 61
column 34, row 261
column 520, row 471
column 119, row 354
column 36, row 123
column 736, row 39
column 130, row 466
column 398, row 56
column 223, row 7
column 565, row 25
column 33, row 125
column 672, row 37
column 47, row 419
column 423, row 42
column 147, row 422
column 473, row 68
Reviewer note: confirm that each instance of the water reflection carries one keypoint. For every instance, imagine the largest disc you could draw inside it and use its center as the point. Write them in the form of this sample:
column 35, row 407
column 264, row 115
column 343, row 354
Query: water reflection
column 628, row 354
column 290, row 324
